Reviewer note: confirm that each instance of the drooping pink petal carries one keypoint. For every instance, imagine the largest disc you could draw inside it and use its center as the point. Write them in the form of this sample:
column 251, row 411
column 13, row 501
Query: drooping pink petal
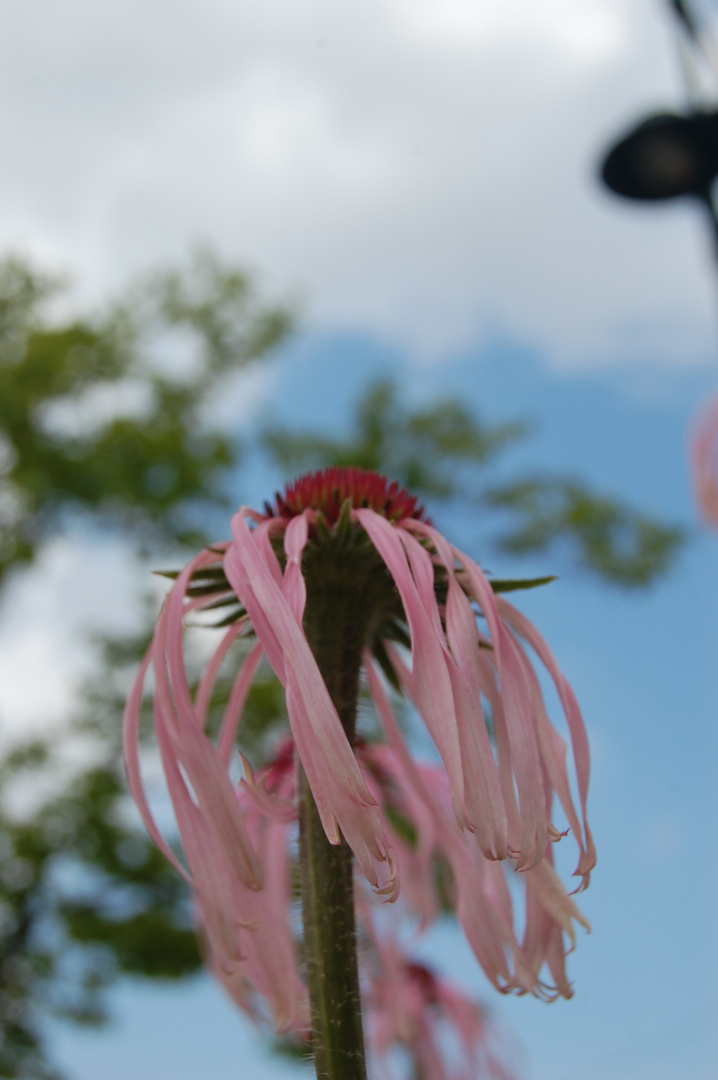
column 415, row 860
column 342, row 797
column 485, row 928
column 263, row 539
column 486, row 813
column 216, row 883
column 237, row 699
column 271, row 951
column 235, row 571
column 175, row 715
column 431, row 689
column 272, row 616
column 419, row 793
column 131, row 724
column 268, row 966
column 365, row 834
column 179, row 729
column 516, row 694
column 275, row 809
column 243, row 563
column 579, row 739
column 210, row 673
column 546, row 886
column 294, row 586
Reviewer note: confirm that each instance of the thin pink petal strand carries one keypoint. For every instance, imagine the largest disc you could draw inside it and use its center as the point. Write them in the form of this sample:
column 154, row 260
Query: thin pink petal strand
column 545, row 884
column 210, row 673
column 422, row 570
column 225, row 869
column 242, row 581
column 174, row 712
column 271, row 962
column 275, row 809
column 263, row 539
column 293, row 585
column 131, row 724
column 414, row 860
column 237, row 701
column 704, row 461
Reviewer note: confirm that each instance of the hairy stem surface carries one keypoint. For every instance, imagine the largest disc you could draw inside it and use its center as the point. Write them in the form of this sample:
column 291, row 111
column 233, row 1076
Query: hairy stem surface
column 326, row 870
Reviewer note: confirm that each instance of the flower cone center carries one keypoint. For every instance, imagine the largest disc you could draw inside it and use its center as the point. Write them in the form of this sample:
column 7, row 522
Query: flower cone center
column 328, row 490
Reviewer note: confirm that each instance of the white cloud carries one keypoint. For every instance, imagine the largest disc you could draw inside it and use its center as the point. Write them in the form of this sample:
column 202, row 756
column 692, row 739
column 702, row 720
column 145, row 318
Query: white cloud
column 581, row 30
column 422, row 168
column 241, row 397
column 78, row 586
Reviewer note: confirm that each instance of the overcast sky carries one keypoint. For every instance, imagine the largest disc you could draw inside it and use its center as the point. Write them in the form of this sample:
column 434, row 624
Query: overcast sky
column 425, row 169
column 421, row 176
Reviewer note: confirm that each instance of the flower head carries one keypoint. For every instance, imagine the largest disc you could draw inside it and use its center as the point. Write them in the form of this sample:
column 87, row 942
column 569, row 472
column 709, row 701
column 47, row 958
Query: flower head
column 347, row 548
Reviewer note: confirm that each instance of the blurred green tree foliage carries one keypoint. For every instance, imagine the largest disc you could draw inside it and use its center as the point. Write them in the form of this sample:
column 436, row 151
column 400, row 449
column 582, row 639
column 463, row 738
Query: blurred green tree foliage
column 445, row 453
column 107, row 422
column 103, row 425
column 105, row 417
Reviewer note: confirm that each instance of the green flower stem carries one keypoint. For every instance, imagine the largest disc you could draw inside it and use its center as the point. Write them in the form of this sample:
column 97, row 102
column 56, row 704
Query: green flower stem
column 330, row 949
column 326, row 870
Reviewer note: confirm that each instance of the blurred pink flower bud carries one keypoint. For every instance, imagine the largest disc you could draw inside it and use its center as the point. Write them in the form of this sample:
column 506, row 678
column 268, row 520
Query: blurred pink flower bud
column 704, row 461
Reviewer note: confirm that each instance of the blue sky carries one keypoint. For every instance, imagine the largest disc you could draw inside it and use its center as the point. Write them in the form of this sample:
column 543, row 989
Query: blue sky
column 420, row 177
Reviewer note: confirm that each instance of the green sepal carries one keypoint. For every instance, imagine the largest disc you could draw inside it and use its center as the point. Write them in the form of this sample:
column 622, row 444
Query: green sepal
column 212, row 572
column 502, row 585
column 224, row 601
column 394, row 630
column 324, row 535
column 403, row 826
column 233, row 617
column 202, row 582
column 343, row 526
column 382, row 658
column 210, row 589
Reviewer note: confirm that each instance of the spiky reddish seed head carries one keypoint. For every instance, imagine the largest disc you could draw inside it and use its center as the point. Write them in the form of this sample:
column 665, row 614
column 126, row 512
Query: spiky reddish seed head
column 328, row 489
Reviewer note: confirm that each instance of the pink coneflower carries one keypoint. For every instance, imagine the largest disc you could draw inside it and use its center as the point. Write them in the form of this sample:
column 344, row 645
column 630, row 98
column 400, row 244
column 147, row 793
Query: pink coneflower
column 444, row 1033
column 345, row 574
column 704, row 461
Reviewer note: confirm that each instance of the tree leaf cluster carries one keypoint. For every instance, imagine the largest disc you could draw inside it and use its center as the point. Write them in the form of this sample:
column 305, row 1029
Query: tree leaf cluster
column 84, row 898
column 447, row 455
column 153, row 463
column 420, row 448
